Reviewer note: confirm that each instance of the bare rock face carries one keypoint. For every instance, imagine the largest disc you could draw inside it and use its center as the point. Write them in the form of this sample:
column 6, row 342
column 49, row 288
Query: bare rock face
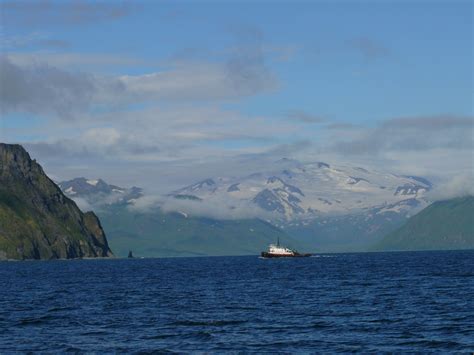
column 37, row 221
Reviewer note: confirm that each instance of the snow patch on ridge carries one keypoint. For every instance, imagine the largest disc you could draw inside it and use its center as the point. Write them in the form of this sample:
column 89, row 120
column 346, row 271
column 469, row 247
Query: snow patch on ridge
column 92, row 182
column 70, row 191
column 302, row 191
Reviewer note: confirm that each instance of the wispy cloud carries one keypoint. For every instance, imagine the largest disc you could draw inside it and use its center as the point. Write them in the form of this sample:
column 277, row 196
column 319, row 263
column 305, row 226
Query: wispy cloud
column 305, row 117
column 457, row 186
column 39, row 87
column 155, row 134
column 45, row 89
column 182, row 145
column 341, row 126
column 202, row 81
column 437, row 147
column 410, row 134
column 70, row 61
column 32, row 14
column 220, row 208
column 30, row 40
column 368, row 48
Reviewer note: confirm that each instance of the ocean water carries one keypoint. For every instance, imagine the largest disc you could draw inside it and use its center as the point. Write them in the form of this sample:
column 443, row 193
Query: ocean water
column 421, row 301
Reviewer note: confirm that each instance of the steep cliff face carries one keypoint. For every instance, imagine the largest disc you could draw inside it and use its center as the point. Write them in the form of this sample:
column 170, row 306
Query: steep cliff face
column 36, row 220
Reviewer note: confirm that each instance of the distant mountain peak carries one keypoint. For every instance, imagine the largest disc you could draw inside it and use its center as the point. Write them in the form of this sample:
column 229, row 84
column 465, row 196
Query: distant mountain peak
column 420, row 179
column 298, row 191
column 98, row 192
column 233, row 187
column 273, row 179
column 203, row 185
column 323, row 165
column 208, row 182
column 93, row 182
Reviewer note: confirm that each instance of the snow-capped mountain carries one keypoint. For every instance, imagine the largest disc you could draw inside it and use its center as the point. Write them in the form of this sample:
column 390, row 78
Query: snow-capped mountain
column 324, row 206
column 98, row 192
column 296, row 191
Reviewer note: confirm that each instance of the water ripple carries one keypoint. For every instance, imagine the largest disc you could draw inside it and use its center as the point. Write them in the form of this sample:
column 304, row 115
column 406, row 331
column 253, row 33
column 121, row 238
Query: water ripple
column 375, row 302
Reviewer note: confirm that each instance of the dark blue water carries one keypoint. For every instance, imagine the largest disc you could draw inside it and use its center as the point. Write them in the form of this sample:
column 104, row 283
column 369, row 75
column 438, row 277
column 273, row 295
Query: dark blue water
column 341, row 302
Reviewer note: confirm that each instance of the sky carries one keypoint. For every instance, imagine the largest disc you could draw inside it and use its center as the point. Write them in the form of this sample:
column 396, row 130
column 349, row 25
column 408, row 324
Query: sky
column 160, row 94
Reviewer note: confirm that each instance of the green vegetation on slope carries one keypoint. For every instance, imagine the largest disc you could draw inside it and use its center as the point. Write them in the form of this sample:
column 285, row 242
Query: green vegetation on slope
column 442, row 225
column 342, row 234
column 154, row 233
column 36, row 220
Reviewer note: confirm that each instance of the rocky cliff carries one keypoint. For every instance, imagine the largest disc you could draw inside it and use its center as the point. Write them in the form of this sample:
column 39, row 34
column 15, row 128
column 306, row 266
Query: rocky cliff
column 36, row 220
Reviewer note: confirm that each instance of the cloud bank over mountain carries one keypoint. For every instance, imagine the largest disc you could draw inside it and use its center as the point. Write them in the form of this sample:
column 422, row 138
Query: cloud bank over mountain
column 458, row 186
column 166, row 95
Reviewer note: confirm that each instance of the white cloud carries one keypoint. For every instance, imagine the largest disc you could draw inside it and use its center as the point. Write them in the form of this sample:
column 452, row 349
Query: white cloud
column 100, row 136
column 83, row 205
column 158, row 135
column 37, row 86
column 165, row 149
column 223, row 208
column 199, row 81
column 457, row 186
column 65, row 13
column 71, row 60
column 408, row 134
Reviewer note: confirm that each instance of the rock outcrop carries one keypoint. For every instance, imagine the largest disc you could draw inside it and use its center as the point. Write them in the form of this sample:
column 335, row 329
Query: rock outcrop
column 37, row 221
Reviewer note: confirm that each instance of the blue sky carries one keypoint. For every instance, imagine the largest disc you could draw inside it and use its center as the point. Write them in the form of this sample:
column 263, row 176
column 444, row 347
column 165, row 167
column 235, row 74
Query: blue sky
column 93, row 87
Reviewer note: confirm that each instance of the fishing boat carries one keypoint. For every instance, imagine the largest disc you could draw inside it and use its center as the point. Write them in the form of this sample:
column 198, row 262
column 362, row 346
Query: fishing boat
column 278, row 251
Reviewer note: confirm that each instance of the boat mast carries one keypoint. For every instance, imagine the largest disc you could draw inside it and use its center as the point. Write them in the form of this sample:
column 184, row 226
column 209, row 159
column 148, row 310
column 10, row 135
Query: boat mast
column 278, row 242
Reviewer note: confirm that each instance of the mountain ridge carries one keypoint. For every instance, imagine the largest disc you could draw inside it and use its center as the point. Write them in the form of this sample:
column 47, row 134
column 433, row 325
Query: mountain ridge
column 277, row 198
column 291, row 190
column 446, row 224
column 98, row 192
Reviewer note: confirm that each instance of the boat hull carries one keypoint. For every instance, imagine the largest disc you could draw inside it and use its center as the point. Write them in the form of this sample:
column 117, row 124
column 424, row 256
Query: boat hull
column 265, row 254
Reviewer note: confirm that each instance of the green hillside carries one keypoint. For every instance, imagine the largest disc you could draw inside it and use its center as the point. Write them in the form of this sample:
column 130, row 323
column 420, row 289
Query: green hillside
column 442, row 225
column 36, row 220
column 155, row 233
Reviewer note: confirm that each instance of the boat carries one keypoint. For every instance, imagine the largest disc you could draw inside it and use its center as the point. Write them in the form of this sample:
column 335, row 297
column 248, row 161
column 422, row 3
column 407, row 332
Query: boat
column 130, row 255
column 277, row 251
